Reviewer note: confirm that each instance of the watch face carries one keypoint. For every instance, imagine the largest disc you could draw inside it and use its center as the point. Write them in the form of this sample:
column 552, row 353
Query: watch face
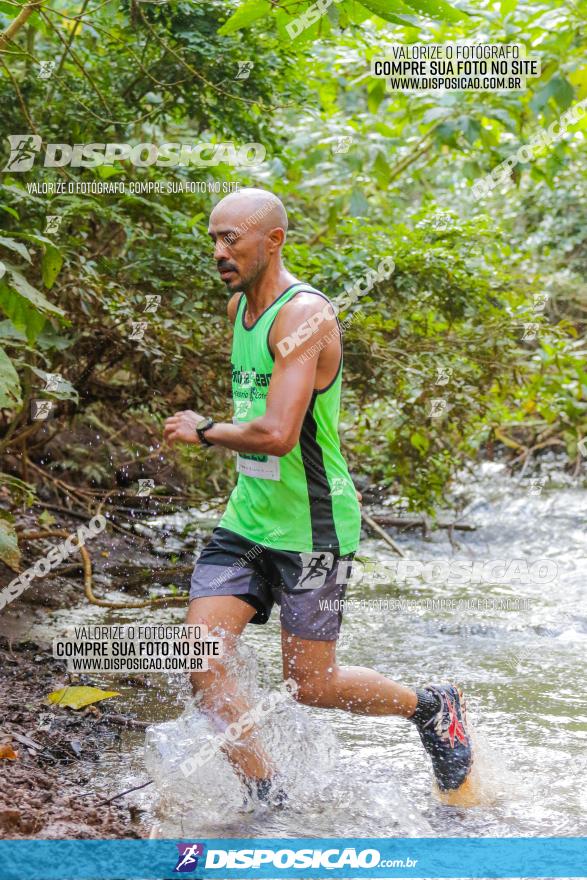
column 203, row 423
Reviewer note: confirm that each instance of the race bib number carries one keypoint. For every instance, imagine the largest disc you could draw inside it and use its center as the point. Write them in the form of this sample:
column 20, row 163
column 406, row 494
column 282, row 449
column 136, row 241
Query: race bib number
column 264, row 467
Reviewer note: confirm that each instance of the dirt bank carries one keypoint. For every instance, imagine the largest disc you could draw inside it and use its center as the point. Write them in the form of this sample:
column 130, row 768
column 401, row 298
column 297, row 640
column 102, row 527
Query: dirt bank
column 49, row 790
column 45, row 789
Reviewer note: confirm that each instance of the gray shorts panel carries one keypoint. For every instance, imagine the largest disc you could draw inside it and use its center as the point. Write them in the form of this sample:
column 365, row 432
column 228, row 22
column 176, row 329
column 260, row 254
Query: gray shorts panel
column 230, row 565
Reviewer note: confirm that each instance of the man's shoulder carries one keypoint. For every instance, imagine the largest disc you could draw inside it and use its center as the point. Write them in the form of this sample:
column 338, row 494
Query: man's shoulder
column 307, row 290
column 307, row 304
column 300, row 318
column 232, row 306
column 308, row 298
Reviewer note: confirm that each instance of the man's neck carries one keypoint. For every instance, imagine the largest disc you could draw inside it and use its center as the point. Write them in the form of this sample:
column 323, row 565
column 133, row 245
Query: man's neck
column 265, row 291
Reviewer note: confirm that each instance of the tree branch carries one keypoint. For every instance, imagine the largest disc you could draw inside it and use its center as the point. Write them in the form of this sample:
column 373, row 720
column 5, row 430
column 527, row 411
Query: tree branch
column 21, row 19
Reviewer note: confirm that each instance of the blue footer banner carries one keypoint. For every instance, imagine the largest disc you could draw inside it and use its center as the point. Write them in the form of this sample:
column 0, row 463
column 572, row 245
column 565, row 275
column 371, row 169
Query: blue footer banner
column 293, row 857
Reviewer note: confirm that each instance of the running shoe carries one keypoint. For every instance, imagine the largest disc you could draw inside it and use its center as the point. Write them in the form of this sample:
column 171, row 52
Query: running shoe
column 266, row 792
column 270, row 794
column 446, row 738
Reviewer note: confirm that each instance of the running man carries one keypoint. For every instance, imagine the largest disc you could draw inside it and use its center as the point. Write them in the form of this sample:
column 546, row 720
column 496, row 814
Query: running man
column 292, row 524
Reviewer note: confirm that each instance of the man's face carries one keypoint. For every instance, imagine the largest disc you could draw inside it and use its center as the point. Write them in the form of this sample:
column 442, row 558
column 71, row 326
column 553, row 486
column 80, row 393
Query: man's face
column 241, row 254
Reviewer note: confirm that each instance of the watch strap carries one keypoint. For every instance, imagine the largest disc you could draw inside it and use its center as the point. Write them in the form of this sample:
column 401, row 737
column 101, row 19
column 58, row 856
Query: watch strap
column 201, row 432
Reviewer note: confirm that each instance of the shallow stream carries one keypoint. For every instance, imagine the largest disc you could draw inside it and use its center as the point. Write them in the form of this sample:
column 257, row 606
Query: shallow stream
column 523, row 671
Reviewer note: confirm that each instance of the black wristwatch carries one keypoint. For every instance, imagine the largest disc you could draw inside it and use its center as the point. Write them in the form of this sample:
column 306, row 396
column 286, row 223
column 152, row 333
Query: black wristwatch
column 201, row 429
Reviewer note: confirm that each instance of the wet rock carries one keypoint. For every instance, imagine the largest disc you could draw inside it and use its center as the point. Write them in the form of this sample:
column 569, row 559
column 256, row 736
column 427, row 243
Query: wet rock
column 56, row 593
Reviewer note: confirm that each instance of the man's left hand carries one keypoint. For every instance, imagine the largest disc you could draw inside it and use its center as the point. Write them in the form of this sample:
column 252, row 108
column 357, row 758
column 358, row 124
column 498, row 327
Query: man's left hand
column 181, row 428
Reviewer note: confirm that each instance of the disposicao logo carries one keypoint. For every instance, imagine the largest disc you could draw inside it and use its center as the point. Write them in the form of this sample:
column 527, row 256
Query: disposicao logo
column 25, row 147
column 189, row 853
column 312, row 859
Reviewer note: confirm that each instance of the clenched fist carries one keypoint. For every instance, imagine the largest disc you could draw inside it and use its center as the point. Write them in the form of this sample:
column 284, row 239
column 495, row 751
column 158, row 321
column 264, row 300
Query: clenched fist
column 181, row 428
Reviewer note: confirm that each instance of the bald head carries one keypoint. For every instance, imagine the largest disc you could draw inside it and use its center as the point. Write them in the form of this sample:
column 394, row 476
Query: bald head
column 251, row 207
column 248, row 229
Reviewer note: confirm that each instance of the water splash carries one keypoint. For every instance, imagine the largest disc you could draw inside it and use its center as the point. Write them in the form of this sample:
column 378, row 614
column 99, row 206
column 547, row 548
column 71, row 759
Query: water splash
column 322, row 785
column 302, row 749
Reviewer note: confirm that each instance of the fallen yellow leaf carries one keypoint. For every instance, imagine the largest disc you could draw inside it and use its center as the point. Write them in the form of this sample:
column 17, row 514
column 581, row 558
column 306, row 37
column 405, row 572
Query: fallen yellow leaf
column 78, row 697
column 6, row 751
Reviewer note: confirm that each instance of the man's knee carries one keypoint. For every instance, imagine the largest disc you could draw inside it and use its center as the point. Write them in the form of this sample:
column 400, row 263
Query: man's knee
column 209, row 680
column 205, row 680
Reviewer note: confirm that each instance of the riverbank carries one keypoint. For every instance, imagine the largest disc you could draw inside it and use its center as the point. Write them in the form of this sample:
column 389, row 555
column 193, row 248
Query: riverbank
column 56, row 760
column 51, row 756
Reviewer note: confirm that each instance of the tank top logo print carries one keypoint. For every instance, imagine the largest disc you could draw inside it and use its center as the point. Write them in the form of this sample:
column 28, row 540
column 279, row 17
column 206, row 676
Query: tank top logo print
column 247, row 386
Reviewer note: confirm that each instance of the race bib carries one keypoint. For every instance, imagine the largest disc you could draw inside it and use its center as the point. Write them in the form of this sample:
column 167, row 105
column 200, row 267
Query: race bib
column 265, row 467
column 251, row 464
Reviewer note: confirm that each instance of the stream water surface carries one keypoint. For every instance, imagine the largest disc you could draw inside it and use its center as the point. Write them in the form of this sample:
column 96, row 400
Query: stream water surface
column 523, row 671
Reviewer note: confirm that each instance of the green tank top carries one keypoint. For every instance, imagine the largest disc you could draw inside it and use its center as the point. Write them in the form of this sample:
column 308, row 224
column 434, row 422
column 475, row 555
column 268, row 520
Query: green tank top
column 305, row 500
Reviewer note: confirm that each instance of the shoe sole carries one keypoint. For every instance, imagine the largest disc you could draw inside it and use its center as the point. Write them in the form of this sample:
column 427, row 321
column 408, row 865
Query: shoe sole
column 467, row 794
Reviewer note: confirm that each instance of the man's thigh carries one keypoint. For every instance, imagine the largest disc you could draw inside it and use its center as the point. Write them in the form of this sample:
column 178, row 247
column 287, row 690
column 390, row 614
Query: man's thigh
column 228, row 614
column 228, row 567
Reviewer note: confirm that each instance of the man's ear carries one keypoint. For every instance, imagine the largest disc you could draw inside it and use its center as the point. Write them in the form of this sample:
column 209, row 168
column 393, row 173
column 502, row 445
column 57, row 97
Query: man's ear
column 276, row 238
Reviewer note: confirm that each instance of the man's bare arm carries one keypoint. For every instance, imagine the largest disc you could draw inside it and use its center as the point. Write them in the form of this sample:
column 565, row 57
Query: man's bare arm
column 292, row 384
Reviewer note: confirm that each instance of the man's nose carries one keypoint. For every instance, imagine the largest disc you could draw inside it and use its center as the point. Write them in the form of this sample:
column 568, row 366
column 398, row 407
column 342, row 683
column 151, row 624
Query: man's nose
column 220, row 250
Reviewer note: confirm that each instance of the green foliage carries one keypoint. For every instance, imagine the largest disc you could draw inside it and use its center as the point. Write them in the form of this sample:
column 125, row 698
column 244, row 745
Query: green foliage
column 453, row 309
column 10, row 391
column 9, row 551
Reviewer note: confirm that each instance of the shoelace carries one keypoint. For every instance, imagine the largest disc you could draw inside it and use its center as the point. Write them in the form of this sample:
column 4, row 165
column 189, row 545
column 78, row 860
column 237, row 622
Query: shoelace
column 437, row 718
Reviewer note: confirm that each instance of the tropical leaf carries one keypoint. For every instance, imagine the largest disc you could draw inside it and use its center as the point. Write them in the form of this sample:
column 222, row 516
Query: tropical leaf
column 10, row 392
column 52, row 257
column 51, row 265
column 26, row 306
column 439, row 10
column 557, row 88
column 33, row 296
column 395, row 12
column 9, row 550
column 7, row 8
column 23, row 316
column 23, row 491
column 578, row 79
column 17, row 246
column 9, row 332
column 64, row 391
column 245, row 15
column 76, row 697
